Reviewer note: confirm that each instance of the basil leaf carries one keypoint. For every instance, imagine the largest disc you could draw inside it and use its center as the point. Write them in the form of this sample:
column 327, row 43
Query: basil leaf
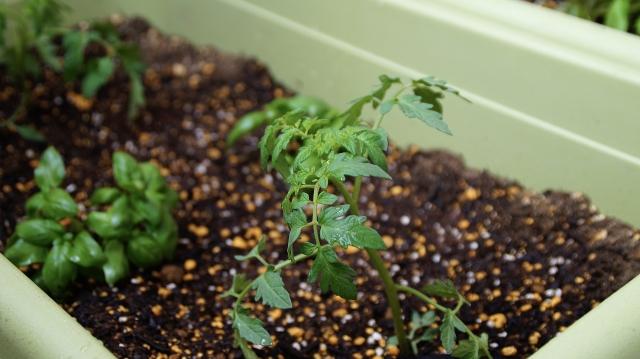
column 30, row 133
column 127, row 172
column 146, row 210
column 50, row 170
column 166, row 235
column 34, row 204
column 105, row 195
column 85, row 251
column 58, row 271
column 143, row 251
column 117, row 266
column 22, row 253
column 41, row 232
column 58, row 204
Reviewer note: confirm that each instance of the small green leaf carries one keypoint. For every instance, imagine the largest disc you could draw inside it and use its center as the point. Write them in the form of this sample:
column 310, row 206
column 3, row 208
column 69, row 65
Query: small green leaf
column 424, row 320
column 349, row 231
column 255, row 251
column 74, row 43
column 41, row 232
column 250, row 328
column 245, row 125
column 98, row 73
column 448, row 332
column 430, row 96
column 47, row 51
column 58, row 204
column 467, row 349
column 50, row 171
column 346, row 165
column 127, row 172
column 428, row 335
column 143, row 251
column 296, row 220
column 375, row 147
column 117, row 266
column 386, row 107
column 441, row 288
column 270, row 289
column 617, row 15
column 281, row 143
column 311, row 106
column 136, row 95
column 383, row 141
column 22, row 253
column 413, row 107
column 385, row 83
column 29, row 133
column 327, row 198
column 266, row 144
column 85, row 251
column 114, row 223
column 147, row 210
column 307, row 248
column 333, row 274
column 276, row 108
column 58, row 271
column 300, row 201
column 105, row 195
column 166, row 235
column 34, row 204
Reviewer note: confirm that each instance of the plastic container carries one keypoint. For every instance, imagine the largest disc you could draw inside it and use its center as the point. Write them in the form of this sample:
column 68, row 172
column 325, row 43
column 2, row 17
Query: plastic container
column 555, row 105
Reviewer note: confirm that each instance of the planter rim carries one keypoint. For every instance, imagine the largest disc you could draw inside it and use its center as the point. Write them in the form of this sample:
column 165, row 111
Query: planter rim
column 609, row 57
column 32, row 325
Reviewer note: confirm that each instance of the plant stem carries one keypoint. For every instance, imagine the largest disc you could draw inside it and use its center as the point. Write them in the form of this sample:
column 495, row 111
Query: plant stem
column 316, row 189
column 387, row 281
column 421, row 296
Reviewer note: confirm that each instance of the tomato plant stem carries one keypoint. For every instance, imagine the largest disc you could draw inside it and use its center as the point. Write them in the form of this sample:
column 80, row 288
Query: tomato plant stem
column 389, row 286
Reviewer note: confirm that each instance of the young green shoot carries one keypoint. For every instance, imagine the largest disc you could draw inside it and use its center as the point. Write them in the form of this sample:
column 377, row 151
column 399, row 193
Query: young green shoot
column 323, row 156
column 135, row 227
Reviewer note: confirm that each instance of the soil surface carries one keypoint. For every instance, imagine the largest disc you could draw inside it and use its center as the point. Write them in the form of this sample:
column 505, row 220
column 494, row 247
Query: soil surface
column 529, row 263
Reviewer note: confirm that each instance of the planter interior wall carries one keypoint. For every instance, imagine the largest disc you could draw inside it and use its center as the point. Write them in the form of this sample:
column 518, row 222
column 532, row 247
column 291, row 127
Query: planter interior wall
column 554, row 97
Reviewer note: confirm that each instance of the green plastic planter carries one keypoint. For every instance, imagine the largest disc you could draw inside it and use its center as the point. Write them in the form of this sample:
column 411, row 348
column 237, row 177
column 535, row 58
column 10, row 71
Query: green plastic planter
column 555, row 105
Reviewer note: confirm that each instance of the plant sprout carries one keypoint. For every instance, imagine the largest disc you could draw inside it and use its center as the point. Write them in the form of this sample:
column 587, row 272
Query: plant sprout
column 322, row 156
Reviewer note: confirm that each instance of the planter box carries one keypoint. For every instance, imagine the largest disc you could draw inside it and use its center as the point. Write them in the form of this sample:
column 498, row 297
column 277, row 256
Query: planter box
column 555, row 105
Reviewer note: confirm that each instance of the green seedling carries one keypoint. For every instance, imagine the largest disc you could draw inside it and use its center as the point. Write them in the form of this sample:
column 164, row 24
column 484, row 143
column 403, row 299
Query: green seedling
column 137, row 227
column 316, row 154
column 254, row 120
column 32, row 37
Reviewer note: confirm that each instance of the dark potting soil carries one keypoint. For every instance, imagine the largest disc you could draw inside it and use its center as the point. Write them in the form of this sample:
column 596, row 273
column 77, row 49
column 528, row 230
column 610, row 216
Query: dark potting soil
column 529, row 263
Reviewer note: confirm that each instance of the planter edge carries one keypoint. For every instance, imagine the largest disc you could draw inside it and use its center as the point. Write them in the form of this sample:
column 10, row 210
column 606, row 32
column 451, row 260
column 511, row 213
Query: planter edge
column 32, row 325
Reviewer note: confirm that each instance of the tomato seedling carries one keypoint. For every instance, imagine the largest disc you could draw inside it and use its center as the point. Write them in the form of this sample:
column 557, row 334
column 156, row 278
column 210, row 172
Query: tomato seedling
column 316, row 152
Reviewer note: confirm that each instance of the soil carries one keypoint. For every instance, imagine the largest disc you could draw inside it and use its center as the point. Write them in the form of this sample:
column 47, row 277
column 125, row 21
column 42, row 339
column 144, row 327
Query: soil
column 529, row 263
